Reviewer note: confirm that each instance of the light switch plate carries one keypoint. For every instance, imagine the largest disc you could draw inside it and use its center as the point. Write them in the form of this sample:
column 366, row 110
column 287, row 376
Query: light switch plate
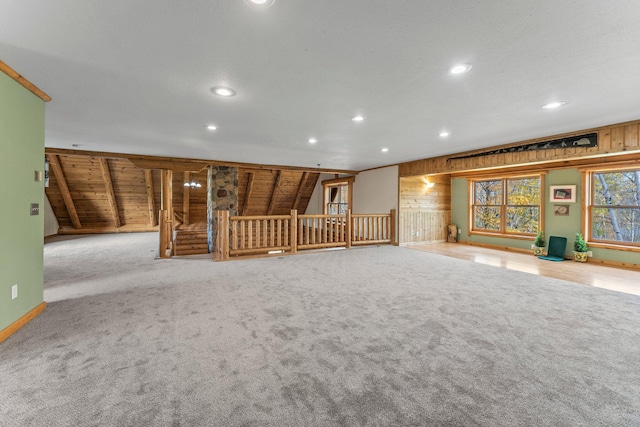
column 35, row 209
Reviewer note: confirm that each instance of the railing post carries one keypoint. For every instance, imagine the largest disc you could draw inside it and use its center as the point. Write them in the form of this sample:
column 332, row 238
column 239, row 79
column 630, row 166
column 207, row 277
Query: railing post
column 348, row 230
column 225, row 234
column 293, row 234
column 217, row 253
column 392, row 227
column 162, row 231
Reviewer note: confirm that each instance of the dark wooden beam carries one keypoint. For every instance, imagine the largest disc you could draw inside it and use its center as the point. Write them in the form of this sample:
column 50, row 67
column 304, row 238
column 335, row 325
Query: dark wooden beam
column 54, row 161
column 274, row 193
column 247, row 194
column 303, row 183
column 111, row 196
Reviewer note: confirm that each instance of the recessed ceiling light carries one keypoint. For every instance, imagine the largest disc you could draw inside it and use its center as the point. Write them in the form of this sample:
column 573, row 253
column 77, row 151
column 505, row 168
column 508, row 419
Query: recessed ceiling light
column 460, row 68
column 385, row 150
column 261, row 3
column 552, row 105
column 212, row 127
column 444, row 134
column 358, row 118
column 223, row 91
column 313, row 140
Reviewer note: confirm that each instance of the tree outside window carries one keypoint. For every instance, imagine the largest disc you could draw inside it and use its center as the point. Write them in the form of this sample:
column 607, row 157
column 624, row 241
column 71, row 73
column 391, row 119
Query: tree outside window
column 614, row 207
column 507, row 205
column 337, row 195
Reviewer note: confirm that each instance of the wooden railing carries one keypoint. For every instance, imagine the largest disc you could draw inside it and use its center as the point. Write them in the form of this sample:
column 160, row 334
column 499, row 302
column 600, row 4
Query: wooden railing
column 323, row 231
column 250, row 235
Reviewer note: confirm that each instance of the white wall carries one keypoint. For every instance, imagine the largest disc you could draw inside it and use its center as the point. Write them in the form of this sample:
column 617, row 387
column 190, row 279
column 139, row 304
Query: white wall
column 50, row 221
column 315, row 203
column 376, row 191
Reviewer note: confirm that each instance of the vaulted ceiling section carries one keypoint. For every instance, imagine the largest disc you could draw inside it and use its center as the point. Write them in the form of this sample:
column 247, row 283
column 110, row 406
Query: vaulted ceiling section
column 91, row 193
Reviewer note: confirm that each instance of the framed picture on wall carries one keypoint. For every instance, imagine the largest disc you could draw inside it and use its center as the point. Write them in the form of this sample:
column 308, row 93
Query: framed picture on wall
column 562, row 193
column 561, row 210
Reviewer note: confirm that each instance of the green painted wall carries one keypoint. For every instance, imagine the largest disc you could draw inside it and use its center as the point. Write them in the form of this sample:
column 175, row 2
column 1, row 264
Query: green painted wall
column 566, row 226
column 21, row 235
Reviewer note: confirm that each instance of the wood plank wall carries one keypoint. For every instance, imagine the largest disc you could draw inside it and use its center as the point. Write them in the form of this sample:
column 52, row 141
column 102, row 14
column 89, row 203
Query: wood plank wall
column 263, row 190
column 424, row 212
column 110, row 194
column 130, row 190
column 612, row 140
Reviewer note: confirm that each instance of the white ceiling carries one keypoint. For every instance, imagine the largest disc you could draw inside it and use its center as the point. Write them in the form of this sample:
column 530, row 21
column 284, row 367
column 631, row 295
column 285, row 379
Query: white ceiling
column 135, row 76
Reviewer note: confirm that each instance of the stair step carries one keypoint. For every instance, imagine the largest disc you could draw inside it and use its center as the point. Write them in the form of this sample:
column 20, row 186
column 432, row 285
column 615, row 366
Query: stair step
column 192, row 252
column 191, row 241
column 191, row 235
column 193, row 245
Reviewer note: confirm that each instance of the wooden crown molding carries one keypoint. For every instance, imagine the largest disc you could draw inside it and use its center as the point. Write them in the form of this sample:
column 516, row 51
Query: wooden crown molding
column 24, row 82
column 179, row 164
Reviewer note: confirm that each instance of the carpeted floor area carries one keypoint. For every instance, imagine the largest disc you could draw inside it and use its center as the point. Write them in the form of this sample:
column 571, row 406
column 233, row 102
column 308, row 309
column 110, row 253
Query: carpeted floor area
column 377, row 336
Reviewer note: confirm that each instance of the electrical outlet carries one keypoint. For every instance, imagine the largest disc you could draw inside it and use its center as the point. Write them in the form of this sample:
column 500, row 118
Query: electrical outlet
column 459, row 231
column 589, row 253
column 14, row 291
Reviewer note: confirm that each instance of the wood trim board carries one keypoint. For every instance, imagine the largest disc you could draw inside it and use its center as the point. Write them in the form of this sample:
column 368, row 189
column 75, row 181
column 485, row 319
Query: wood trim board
column 23, row 320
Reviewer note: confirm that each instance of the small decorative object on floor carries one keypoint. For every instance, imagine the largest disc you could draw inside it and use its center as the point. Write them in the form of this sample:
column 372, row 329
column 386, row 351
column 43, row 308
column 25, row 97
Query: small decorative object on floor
column 538, row 244
column 452, row 233
column 580, row 249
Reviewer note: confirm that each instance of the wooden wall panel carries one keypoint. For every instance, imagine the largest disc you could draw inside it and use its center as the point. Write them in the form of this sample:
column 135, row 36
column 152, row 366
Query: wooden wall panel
column 264, row 181
column 178, row 191
column 424, row 227
column 157, row 189
column 130, row 188
column 424, row 212
column 198, row 201
column 617, row 139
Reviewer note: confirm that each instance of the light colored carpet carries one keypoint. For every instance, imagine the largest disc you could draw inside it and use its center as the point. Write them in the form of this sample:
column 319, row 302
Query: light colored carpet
column 379, row 336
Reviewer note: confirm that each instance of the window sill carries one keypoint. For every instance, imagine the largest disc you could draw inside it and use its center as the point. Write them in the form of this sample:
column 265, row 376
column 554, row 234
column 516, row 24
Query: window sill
column 613, row 247
column 503, row 235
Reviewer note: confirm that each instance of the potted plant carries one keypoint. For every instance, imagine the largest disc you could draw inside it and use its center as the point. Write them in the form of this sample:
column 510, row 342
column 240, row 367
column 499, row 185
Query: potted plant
column 580, row 249
column 538, row 244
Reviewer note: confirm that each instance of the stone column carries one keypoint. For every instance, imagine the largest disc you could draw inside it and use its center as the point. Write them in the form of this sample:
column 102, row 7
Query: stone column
column 222, row 194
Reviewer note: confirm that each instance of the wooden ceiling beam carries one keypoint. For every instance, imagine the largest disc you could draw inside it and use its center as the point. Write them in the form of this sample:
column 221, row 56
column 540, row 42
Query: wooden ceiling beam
column 303, row 183
column 111, row 196
column 274, row 193
column 247, row 194
column 54, row 161
column 151, row 197
column 176, row 165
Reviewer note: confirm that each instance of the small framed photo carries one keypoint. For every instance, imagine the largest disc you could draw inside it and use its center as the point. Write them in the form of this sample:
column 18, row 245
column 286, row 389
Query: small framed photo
column 562, row 193
column 561, row 210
